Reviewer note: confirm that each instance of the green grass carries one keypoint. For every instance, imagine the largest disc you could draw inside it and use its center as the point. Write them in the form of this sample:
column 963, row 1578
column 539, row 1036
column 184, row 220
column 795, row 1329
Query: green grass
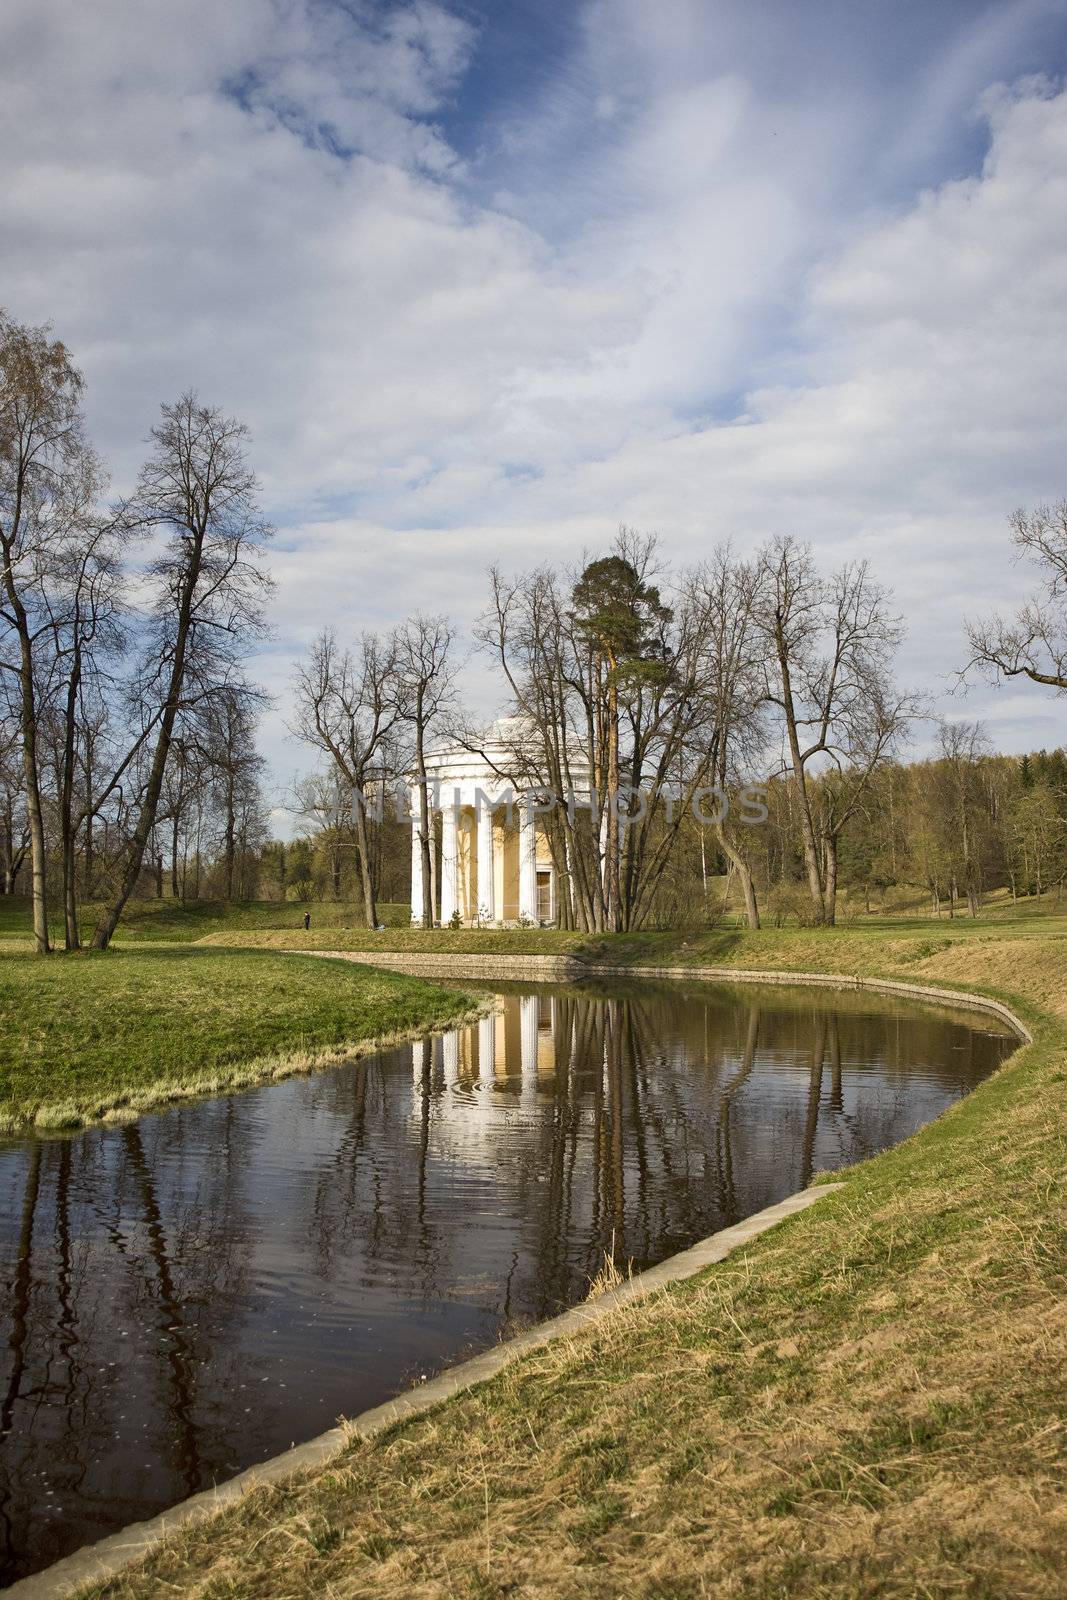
column 868, row 1401
column 84, row 1036
column 340, row 925
column 174, row 923
column 850, row 948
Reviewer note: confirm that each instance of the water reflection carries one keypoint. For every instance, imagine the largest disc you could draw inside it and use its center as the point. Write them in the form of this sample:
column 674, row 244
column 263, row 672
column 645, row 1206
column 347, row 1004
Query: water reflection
column 197, row 1291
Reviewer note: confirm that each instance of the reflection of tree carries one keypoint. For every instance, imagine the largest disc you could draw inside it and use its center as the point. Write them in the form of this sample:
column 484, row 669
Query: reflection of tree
column 614, row 1174
column 837, row 1103
column 336, row 1186
column 17, row 1340
column 811, row 1118
column 724, row 1125
column 66, row 1330
column 174, row 1344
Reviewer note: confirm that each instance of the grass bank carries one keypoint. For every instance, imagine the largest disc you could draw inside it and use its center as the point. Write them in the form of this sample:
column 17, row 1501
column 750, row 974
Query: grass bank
column 868, row 1401
column 90, row 1035
column 1027, row 956
column 172, row 922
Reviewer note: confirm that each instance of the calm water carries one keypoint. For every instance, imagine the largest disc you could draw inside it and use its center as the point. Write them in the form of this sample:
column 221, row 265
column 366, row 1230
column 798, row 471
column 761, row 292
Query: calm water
column 199, row 1290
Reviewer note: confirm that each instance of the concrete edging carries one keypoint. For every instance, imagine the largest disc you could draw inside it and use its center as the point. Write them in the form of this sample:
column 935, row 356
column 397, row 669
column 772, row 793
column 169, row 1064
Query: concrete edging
column 120, row 1550
column 466, row 965
column 547, row 967
column 830, row 980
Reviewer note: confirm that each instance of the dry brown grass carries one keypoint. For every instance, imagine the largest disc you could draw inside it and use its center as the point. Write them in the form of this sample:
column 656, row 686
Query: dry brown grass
column 866, row 1402
column 1036, row 968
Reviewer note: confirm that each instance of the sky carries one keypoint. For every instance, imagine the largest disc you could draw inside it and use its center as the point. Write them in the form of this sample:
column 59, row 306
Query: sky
column 486, row 279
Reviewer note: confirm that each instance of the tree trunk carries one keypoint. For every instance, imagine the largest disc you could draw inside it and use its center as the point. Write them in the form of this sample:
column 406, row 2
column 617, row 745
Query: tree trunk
column 38, row 864
column 807, row 826
column 89, row 844
column 613, row 896
column 830, row 878
column 744, row 875
column 230, row 846
column 66, row 801
column 363, row 842
column 31, row 777
column 146, row 820
column 174, row 889
column 425, row 838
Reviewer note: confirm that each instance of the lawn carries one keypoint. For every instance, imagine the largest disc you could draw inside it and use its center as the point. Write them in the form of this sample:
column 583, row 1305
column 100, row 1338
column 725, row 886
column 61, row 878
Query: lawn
column 174, row 923
column 853, row 949
column 868, row 1401
column 82, row 1036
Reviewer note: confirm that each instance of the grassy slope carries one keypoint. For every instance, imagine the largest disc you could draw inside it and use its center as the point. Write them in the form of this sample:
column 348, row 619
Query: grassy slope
column 174, row 923
column 81, row 1036
column 863, row 1403
column 889, row 946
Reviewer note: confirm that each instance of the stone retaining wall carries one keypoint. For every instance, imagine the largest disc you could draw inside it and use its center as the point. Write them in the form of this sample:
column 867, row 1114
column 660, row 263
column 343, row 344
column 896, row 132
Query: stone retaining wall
column 442, row 964
column 546, row 968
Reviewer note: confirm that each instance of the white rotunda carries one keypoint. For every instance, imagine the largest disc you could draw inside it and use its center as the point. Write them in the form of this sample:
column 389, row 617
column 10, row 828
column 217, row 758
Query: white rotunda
column 494, row 864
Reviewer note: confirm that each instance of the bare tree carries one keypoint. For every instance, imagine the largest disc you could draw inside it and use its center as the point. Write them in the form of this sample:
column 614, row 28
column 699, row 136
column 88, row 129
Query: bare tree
column 965, row 816
column 83, row 608
column 529, row 630
column 197, row 489
column 829, row 645
column 608, row 679
column 1034, row 643
column 323, row 801
column 14, row 832
column 863, row 743
column 424, row 653
column 346, row 707
column 182, row 797
column 733, row 674
column 42, row 448
column 234, row 768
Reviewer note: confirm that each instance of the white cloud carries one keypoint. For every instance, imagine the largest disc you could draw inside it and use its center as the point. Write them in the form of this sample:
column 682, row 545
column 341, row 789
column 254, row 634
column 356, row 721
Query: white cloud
column 678, row 284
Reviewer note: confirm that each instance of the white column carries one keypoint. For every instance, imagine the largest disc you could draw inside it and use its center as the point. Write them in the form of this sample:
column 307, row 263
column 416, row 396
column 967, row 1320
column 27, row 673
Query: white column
column 486, row 891
column 449, row 863
column 416, row 869
column 527, row 865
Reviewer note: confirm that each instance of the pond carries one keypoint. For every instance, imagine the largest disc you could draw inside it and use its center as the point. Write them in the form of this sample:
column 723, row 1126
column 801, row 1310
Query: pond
column 194, row 1292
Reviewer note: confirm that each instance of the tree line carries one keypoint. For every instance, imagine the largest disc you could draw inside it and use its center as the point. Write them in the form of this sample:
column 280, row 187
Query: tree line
column 737, row 669
column 127, row 718
column 125, row 706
